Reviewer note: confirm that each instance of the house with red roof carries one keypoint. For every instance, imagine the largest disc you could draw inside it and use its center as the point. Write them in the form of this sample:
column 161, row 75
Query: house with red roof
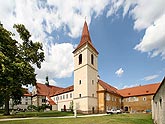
column 42, row 94
column 138, row 99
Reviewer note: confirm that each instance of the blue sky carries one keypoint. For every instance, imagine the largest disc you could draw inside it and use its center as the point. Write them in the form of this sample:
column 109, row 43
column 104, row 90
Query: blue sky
column 130, row 41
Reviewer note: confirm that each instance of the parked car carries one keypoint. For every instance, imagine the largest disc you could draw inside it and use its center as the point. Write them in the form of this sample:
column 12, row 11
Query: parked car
column 113, row 111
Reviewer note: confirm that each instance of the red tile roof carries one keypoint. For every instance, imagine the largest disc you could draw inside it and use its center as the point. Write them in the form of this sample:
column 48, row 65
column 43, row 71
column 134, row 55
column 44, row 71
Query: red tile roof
column 46, row 90
column 65, row 90
column 85, row 39
column 51, row 102
column 26, row 92
column 139, row 90
column 108, row 87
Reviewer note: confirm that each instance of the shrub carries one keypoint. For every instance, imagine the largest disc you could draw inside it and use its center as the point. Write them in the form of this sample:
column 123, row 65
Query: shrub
column 32, row 107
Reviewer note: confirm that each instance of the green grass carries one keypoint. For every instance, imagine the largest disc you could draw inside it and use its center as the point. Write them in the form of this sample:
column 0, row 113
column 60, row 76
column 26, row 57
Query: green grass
column 38, row 114
column 109, row 119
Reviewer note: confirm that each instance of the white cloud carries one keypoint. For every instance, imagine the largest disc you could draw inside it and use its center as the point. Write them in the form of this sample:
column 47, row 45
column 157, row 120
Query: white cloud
column 58, row 62
column 154, row 39
column 149, row 16
column 151, row 77
column 119, row 72
column 51, row 81
column 129, row 86
column 115, row 5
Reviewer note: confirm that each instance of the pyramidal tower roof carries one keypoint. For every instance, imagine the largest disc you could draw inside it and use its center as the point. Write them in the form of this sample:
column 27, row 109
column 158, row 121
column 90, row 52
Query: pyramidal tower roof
column 85, row 38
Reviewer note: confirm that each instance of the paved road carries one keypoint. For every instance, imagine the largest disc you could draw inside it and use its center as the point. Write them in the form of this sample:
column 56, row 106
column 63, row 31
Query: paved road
column 11, row 119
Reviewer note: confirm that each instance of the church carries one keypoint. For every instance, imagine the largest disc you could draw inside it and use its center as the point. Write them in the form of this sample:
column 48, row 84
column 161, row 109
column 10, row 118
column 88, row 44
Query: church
column 87, row 89
column 89, row 94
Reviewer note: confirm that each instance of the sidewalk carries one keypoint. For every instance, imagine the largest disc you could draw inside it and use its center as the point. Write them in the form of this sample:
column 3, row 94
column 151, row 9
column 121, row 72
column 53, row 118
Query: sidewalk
column 82, row 116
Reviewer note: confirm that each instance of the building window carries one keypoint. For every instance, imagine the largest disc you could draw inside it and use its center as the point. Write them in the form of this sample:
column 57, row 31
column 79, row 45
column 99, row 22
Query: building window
column 26, row 103
column 160, row 100
column 128, row 99
column 57, row 98
column 70, row 95
column 79, row 81
column 63, row 96
column 93, row 95
column 66, row 96
column 80, row 95
column 80, row 59
column 92, row 59
column 43, row 100
column 120, row 100
column 135, row 99
column 107, row 97
column 92, row 82
column 144, row 99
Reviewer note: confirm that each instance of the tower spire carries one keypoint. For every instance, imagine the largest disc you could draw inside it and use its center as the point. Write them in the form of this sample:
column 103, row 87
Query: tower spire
column 85, row 37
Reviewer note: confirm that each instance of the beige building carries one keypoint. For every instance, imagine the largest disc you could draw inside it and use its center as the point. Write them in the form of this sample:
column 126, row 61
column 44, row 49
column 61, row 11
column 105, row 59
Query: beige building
column 26, row 100
column 158, row 113
column 63, row 99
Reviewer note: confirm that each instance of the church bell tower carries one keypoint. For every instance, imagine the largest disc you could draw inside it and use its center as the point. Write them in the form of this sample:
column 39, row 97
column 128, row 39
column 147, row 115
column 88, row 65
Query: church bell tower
column 85, row 74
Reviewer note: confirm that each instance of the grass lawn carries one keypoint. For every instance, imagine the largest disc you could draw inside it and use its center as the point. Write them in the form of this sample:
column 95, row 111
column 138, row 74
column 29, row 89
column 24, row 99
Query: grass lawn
column 38, row 114
column 108, row 119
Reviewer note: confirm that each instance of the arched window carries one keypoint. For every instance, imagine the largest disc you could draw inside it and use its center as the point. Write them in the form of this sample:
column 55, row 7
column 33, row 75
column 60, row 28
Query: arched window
column 80, row 59
column 79, row 81
column 92, row 59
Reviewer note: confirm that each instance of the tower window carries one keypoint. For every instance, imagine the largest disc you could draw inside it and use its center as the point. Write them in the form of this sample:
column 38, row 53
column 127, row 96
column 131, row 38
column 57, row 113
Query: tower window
column 80, row 59
column 93, row 95
column 79, row 81
column 92, row 82
column 92, row 59
column 80, row 95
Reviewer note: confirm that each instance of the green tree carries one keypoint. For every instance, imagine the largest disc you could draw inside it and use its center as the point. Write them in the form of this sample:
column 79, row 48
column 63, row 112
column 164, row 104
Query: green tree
column 16, row 61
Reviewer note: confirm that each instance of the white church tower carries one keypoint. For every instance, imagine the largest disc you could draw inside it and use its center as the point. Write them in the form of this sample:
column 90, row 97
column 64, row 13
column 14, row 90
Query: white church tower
column 85, row 74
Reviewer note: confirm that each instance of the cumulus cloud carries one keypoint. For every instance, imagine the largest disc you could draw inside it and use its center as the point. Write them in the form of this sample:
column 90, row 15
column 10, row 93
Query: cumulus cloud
column 119, row 72
column 154, row 39
column 151, row 77
column 147, row 16
column 58, row 62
